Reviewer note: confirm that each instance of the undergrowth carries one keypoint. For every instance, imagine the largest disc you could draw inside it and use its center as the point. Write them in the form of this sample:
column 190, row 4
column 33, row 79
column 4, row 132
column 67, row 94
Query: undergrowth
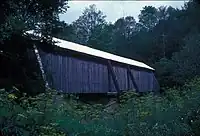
column 174, row 113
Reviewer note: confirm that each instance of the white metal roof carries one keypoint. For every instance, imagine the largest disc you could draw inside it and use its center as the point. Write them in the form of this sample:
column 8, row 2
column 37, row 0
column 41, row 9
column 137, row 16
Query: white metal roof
column 94, row 52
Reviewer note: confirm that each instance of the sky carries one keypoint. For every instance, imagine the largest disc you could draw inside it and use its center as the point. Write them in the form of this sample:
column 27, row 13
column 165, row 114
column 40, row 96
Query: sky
column 114, row 9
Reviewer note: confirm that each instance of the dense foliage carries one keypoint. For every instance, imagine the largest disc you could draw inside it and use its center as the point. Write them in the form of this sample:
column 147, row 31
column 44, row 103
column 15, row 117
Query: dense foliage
column 18, row 16
column 176, row 113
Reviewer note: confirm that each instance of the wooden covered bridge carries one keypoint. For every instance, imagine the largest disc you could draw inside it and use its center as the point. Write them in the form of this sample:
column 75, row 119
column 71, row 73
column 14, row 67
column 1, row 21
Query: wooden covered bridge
column 75, row 68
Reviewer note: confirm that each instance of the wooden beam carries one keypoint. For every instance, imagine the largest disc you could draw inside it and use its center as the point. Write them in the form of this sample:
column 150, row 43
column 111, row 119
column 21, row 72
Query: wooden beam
column 41, row 66
column 132, row 78
column 114, row 78
column 112, row 93
column 128, row 80
column 109, row 79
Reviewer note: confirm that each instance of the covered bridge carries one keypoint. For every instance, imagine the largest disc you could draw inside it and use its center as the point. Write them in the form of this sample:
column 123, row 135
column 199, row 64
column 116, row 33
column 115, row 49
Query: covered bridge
column 80, row 69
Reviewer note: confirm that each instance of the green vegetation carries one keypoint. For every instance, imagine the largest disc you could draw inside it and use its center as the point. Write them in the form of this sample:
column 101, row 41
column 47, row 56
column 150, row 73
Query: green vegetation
column 176, row 113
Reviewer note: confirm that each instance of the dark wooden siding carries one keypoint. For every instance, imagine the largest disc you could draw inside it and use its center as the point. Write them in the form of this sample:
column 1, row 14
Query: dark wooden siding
column 145, row 80
column 72, row 73
column 121, row 75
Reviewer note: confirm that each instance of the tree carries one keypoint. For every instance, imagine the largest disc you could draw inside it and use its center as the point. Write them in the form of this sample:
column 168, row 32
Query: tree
column 148, row 17
column 87, row 22
column 187, row 60
column 123, row 29
column 164, row 72
column 142, row 46
column 164, row 13
column 164, row 38
column 27, row 14
column 102, row 38
column 64, row 31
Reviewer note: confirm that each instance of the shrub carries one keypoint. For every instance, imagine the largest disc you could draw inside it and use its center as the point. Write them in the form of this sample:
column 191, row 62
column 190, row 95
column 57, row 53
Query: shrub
column 176, row 113
column 27, row 115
